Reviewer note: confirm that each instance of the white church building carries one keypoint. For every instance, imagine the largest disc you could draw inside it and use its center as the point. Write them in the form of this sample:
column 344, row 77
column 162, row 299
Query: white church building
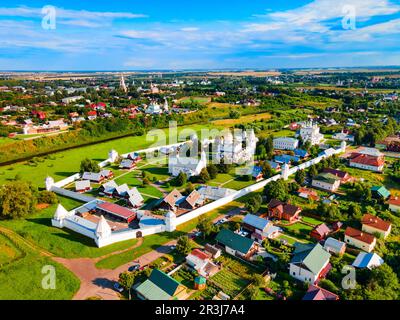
column 310, row 132
column 238, row 148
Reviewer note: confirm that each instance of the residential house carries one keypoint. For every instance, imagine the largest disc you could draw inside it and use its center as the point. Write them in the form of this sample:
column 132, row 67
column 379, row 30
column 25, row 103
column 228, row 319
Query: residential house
column 394, row 204
column 342, row 175
column 301, row 153
column 201, row 262
column 82, row 186
column 260, row 228
column 343, row 136
column 309, row 263
column 274, row 165
column 212, row 250
column 359, row 239
column 380, row 192
column 308, row 194
column 316, row 293
column 335, row 246
column 257, row 173
column 134, row 198
column 93, row 176
column 367, row 260
column 285, row 143
column 280, row 210
column 375, row 225
column 236, row 245
column 286, row 158
column 108, row 188
column 121, row 191
column 320, row 232
column 127, row 164
column 160, row 286
column 326, row 181
column 192, row 201
column 367, row 162
column 169, row 202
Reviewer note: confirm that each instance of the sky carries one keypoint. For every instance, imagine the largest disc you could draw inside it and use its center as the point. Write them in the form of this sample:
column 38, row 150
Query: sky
column 197, row 34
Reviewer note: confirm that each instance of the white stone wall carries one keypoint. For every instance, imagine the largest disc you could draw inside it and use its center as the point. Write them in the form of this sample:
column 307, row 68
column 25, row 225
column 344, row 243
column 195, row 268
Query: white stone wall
column 68, row 180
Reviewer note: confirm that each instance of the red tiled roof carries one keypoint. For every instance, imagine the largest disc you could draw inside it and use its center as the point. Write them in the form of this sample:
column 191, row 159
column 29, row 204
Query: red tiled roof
column 368, row 160
column 200, row 254
column 375, row 222
column 92, row 113
column 116, row 210
column 359, row 235
column 394, row 201
column 322, row 229
column 317, row 293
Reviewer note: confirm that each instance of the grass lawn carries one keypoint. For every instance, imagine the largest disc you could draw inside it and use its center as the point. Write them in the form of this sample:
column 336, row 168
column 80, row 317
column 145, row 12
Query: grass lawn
column 299, row 227
column 22, row 278
column 65, row 163
column 312, row 221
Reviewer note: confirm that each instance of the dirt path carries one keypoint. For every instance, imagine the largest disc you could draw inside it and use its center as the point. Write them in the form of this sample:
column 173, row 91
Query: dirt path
column 99, row 282
column 16, row 237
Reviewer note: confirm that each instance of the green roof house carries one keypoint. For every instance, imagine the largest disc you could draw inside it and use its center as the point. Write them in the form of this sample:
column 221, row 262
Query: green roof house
column 309, row 263
column 326, row 181
column 236, row 245
column 160, row 286
column 380, row 192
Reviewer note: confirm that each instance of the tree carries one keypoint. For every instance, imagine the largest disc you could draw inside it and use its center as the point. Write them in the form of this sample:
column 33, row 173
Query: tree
column 212, row 170
column 269, row 146
column 47, row 197
column 180, row 179
column 183, row 245
column 88, row 165
column 276, row 190
column 205, row 226
column 17, row 200
column 300, row 176
column 313, row 171
column 126, row 280
column 189, row 188
column 204, row 175
column 266, row 170
column 253, row 204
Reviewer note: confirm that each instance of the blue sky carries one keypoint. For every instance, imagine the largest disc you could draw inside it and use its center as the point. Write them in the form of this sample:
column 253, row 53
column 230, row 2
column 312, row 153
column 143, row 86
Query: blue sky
column 218, row 34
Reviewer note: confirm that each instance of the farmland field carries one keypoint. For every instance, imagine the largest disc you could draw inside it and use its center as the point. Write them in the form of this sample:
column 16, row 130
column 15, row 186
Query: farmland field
column 229, row 282
column 245, row 119
column 65, row 163
column 8, row 251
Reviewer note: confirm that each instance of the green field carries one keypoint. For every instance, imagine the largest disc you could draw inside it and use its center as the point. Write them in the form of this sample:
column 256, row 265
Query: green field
column 229, row 282
column 63, row 164
column 21, row 278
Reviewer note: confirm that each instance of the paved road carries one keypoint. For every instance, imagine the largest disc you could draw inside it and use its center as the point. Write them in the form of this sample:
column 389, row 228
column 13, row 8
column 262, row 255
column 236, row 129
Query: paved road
column 99, row 282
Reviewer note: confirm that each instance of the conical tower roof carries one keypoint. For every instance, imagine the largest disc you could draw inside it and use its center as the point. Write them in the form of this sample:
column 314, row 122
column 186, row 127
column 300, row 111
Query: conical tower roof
column 103, row 228
column 60, row 213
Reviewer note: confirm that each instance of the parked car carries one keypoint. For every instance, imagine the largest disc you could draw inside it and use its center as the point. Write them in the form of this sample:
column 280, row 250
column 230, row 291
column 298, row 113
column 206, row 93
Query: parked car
column 135, row 267
column 118, row 287
column 243, row 233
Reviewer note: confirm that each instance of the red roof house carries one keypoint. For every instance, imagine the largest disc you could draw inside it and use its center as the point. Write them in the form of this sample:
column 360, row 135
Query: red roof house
column 320, row 232
column 280, row 210
column 317, row 293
